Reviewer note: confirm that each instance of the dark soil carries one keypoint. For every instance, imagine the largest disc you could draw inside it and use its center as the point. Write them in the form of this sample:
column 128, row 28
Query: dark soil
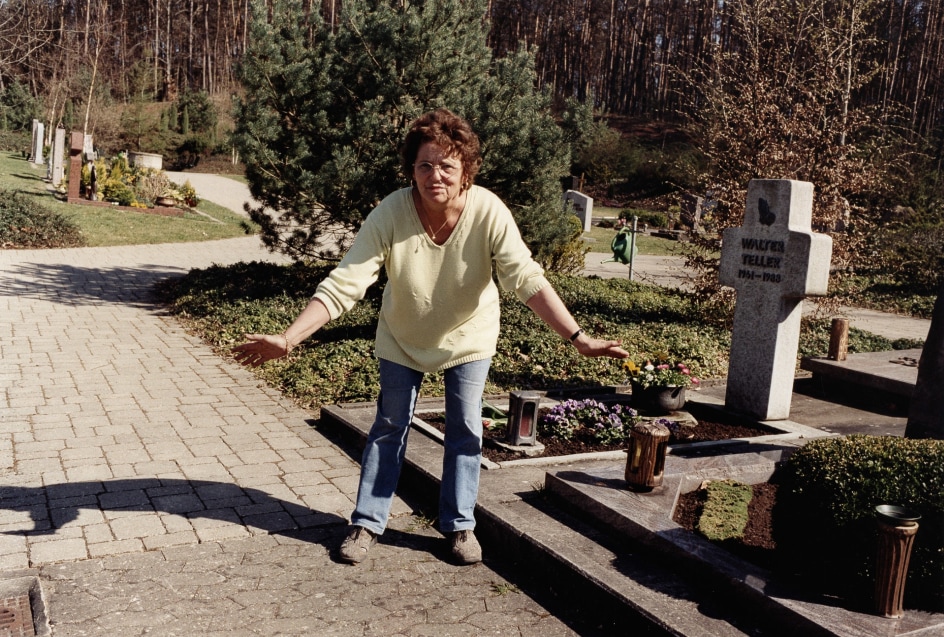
column 705, row 431
column 757, row 544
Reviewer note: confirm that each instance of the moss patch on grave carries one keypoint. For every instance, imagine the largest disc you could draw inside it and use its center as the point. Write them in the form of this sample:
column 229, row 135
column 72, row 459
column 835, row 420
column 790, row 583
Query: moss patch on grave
column 725, row 513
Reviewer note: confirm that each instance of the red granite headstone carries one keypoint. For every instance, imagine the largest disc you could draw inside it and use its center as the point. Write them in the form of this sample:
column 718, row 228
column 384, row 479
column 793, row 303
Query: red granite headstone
column 76, row 143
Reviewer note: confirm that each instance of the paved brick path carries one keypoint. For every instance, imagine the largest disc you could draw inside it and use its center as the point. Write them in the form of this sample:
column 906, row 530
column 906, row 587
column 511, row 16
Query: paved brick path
column 157, row 488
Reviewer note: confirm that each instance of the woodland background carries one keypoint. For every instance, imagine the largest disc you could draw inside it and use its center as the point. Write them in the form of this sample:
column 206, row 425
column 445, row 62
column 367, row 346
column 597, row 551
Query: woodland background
column 697, row 98
column 628, row 57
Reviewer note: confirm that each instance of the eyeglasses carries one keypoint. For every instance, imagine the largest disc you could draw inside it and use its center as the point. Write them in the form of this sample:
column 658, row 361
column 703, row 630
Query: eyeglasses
column 426, row 169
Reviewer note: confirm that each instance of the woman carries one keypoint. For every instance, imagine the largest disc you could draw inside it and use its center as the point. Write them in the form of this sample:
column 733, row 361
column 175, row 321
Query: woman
column 437, row 240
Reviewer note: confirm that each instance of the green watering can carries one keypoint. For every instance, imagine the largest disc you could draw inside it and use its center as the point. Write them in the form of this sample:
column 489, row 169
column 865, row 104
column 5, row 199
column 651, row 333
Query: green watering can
column 623, row 247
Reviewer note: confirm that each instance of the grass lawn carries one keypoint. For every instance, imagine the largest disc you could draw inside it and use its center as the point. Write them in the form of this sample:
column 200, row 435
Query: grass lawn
column 105, row 227
column 598, row 239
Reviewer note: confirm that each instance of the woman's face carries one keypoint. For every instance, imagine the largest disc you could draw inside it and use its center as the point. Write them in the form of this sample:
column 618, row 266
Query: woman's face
column 438, row 175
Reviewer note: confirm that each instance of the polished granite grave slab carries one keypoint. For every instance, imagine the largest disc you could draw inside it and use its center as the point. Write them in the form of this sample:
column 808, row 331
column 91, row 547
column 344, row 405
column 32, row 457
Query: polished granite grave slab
column 894, row 372
column 601, row 492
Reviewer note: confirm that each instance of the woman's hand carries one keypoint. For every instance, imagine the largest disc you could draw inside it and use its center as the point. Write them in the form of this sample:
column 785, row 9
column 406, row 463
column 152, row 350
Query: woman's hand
column 261, row 348
column 594, row 347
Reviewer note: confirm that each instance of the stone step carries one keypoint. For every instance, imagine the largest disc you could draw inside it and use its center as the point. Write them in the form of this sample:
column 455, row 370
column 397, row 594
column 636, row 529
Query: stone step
column 895, row 372
column 595, row 542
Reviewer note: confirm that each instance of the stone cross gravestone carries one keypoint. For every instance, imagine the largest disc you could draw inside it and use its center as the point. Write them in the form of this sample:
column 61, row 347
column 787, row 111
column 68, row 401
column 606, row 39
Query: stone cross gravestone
column 58, row 156
column 773, row 261
column 583, row 207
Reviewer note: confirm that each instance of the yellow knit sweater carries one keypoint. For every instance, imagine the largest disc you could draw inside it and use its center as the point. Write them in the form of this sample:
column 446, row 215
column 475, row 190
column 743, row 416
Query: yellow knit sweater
column 440, row 304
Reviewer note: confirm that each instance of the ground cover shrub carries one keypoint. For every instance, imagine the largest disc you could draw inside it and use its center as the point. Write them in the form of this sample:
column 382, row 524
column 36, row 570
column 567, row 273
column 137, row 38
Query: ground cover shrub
column 814, row 340
column 336, row 365
column 824, row 520
column 26, row 223
column 223, row 303
column 885, row 292
column 645, row 318
column 724, row 515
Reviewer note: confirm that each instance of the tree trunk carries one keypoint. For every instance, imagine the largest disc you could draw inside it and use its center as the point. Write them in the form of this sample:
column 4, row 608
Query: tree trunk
column 926, row 416
column 157, row 44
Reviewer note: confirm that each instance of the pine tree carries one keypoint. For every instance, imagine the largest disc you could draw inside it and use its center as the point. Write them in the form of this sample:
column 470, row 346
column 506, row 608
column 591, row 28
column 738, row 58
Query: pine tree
column 324, row 113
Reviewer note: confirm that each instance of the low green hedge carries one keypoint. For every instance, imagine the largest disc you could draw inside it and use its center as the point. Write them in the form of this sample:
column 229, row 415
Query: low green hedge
column 825, row 521
column 645, row 217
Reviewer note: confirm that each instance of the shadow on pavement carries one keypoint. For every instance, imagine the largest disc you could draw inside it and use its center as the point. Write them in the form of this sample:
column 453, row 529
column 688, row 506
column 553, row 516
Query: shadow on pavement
column 72, row 285
column 54, row 506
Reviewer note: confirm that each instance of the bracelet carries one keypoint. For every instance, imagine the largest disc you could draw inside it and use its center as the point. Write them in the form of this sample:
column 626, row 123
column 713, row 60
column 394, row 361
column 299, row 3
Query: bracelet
column 288, row 346
column 576, row 335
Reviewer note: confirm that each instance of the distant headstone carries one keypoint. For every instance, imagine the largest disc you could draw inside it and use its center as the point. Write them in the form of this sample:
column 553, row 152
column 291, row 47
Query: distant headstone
column 583, row 207
column 58, row 156
column 773, row 261
column 36, row 150
column 76, row 144
column 690, row 210
column 32, row 146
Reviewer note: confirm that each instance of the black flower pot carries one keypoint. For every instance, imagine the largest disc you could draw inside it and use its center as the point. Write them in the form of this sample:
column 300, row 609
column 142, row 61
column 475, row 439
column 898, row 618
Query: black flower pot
column 658, row 400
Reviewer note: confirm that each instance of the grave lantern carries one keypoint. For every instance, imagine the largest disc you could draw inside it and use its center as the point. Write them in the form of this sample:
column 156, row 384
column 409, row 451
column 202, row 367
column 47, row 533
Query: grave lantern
column 897, row 527
column 523, row 412
column 645, row 462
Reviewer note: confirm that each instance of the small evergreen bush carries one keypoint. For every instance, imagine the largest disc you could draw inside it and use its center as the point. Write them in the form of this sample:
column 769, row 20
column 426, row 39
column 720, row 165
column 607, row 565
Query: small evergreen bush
column 825, row 515
column 118, row 191
column 26, row 223
column 567, row 257
column 645, row 217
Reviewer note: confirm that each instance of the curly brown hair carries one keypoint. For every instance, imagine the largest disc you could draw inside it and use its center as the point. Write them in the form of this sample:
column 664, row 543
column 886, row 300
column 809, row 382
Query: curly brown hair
column 449, row 131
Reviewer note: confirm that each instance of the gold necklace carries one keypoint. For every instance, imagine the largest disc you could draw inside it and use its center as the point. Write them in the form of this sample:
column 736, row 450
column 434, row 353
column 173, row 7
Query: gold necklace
column 428, row 225
column 440, row 227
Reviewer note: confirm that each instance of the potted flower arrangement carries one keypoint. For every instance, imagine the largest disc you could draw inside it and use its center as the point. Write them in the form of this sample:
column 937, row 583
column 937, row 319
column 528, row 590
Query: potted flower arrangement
column 659, row 383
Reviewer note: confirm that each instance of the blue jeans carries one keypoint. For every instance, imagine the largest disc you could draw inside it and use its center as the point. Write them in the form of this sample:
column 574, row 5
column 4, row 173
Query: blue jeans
column 386, row 445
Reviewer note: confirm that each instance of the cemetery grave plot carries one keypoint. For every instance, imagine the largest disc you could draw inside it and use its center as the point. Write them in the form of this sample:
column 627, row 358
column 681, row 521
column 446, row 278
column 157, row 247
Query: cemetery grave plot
column 757, row 544
column 706, row 430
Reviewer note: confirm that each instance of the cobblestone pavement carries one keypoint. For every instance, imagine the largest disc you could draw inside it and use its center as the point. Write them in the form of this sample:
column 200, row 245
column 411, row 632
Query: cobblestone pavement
column 158, row 488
